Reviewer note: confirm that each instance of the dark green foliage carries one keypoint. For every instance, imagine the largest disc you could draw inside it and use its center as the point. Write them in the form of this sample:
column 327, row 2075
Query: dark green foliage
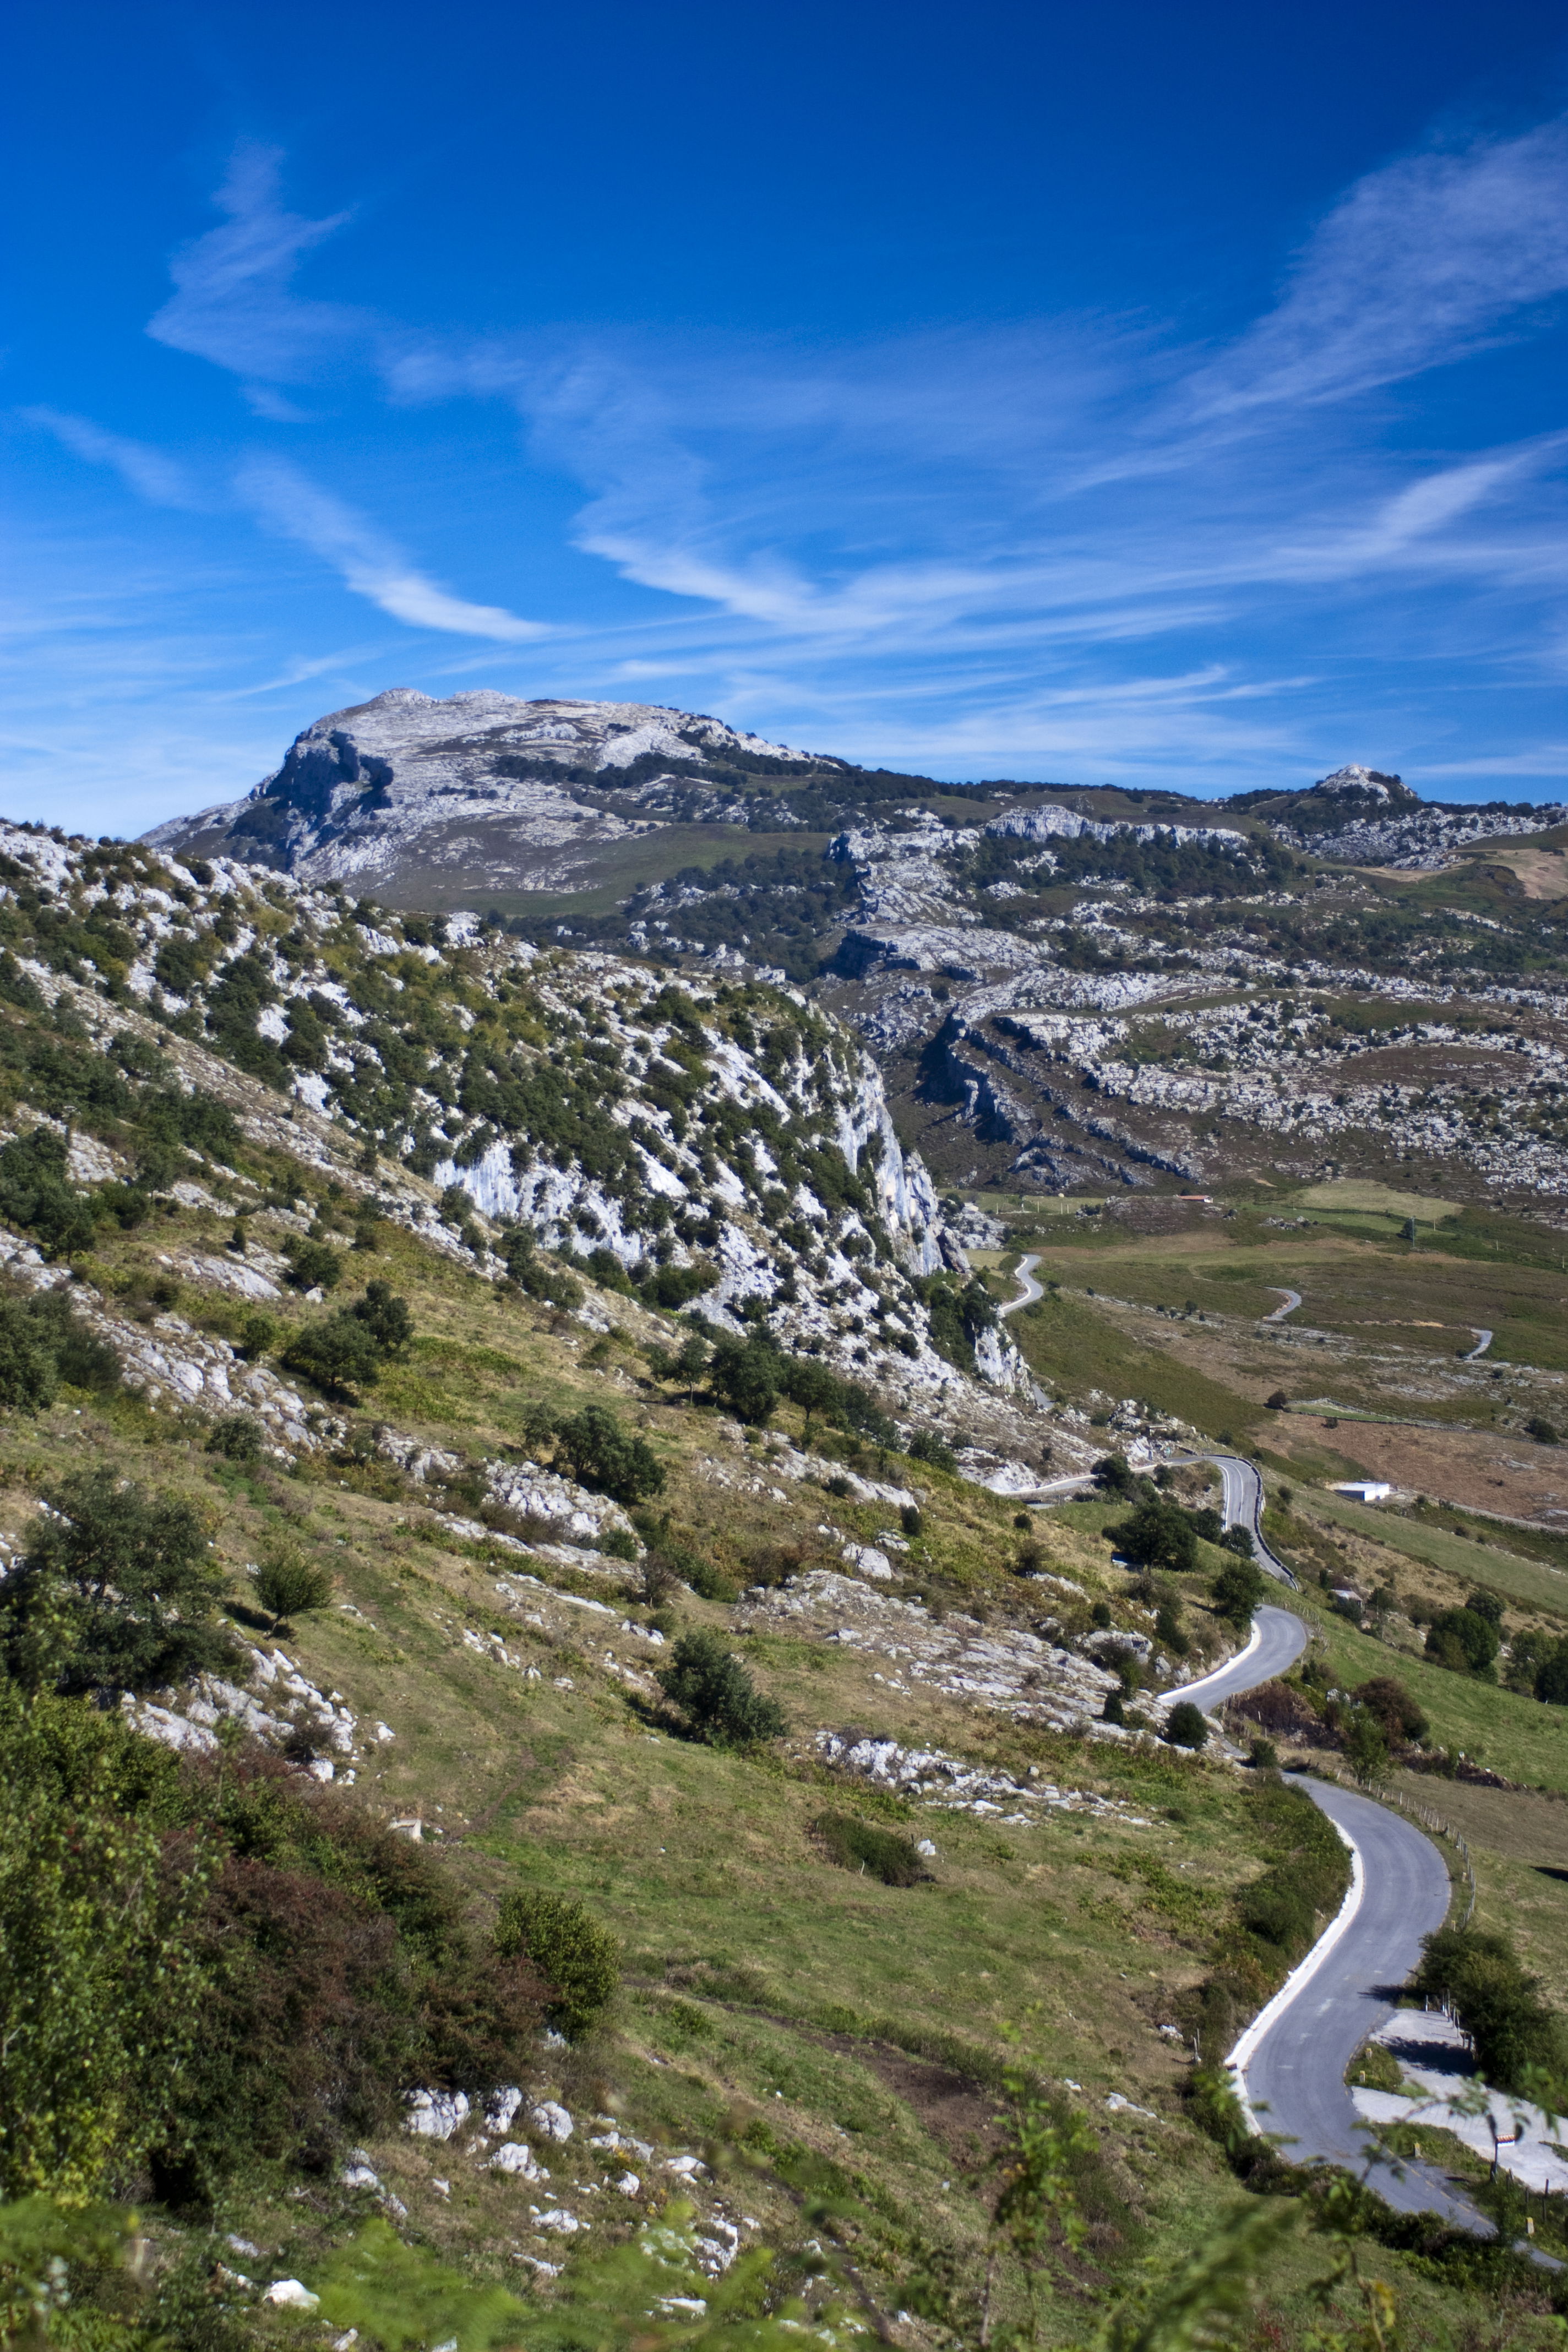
column 1112, row 1476
column 712, row 1689
column 535, row 1276
column 909, row 1519
column 607, row 1270
column 926, row 1446
column 1185, row 1726
column 287, row 1585
column 1498, row 2005
column 117, row 1592
column 1465, row 1642
column 312, row 1265
column 1238, row 1539
column 36, row 1195
column 1392, row 1707
column 338, row 1356
column 743, row 1377
column 1541, row 1430
column 29, row 1374
column 674, row 1286
column 237, row 1437
column 579, row 1961
column 602, row 1453
column 1237, row 1590
column 957, row 1316
column 81, row 1358
column 1158, row 1535
column 858, row 1845
column 384, row 1316
column 1551, row 1677
column 1115, row 1709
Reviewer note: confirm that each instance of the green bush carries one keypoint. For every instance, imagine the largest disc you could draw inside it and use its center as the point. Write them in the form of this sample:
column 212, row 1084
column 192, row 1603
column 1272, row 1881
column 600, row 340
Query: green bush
column 29, row 1374
column 857, row 1845
column 287, row 1584
column 1237, row 1590
column 674, row 1286
column 116, row 1590
column 37, row 1196
column 1465, row 1642
column 337, row 1356
column 384, row 1316
column 1185, row 1726
column 712, row 1689
column 1158, row 1535
column 311, row 1265
column 81, row 1358
column 602, row 1454
column 237, row 1437
column 1496, row 2004
column 579, row 1961
column 743, row 1377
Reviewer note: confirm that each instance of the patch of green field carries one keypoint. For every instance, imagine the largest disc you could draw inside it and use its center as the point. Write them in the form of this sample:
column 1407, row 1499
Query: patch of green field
column 1074, row 1349
column 1534, row 1583
column 1515, row 1735
column 1353, row 1192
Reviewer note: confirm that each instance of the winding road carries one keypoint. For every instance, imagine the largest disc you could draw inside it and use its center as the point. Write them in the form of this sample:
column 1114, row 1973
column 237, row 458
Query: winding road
column 1289, row 2065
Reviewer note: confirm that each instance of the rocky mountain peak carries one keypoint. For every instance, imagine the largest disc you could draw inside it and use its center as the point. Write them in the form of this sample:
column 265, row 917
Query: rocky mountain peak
column 1365, row 785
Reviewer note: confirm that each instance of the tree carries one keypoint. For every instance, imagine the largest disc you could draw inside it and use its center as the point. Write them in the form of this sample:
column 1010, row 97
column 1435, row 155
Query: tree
column 36, row 1193
column 1238, row 1539
column 338, row 1355
column 1551, row 1677
column 1237, row 1590
column 1391, row 1706
column 1185, row 1726
column 81, row 1358
column 602, row 1454
column 117, row 1591
column 1465, row 1642
column 744, row 1375
column 1541, row 1430
column 1159, row 1535
column 311, row 1265
column 28, row 1372
column 1112, row 1476
column 384, row 1317
column 289, row 1584
column 1278, row 1402
column 579, row 1959
column 812, row 1386
column 1498, row 2005
column 713, row 1691
column 1366, row 1747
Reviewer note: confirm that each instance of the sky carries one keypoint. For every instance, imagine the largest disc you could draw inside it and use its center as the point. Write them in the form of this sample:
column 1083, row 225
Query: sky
column 1167, row 394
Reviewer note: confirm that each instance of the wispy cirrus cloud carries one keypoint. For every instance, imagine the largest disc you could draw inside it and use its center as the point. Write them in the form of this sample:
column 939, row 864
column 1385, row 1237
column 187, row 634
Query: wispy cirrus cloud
column 289, row 502
column 234, row 301
column 151, row 473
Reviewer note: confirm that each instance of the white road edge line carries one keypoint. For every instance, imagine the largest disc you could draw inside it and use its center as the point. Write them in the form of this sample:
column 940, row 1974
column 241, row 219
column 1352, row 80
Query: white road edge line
column 1246, row 2050
column 1240, row 1659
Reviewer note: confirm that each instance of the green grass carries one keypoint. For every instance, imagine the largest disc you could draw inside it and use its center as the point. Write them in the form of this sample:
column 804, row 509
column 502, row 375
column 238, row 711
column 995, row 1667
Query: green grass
column 1533, row 1582
column 1074, row 1349
column 1514, row 1735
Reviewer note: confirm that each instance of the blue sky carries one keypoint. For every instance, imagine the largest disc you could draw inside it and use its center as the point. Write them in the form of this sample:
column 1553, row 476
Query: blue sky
column 1159, row 393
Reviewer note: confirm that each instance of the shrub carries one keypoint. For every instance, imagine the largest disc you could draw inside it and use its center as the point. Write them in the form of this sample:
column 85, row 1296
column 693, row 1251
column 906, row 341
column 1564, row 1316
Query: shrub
column 602, row 1454
column 29, row 1374
column 1541, row 1430
column 674, row 1286
column 1115, row 1709
column 1238, row 1539
column 1391, row 1703
column 1158, row 1535
column 384, row 1317
column 311, row 1265
column 715, row 1693
column 1237, row 1590
column 1498, row 2005
column 857, row 1845
column 909, row 1519
column 257, row 1333
column 1264, row 1755
column 116, row 1591
column 1112, row 1476
column 237, row 1437
column 616, row 1544
column 1366, row 1747
column 1185, row 1726
column 925, row 1446
column 1551, row 1677
column 1465, row 1642
column 744, row 1376
column 36, row 1195
column 338, row 1356
column 288, row 1584
column 579, row 1961
column 1278, row 1402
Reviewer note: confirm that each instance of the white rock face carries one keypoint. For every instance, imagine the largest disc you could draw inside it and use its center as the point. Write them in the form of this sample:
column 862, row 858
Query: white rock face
column 292, row 2295
column 551, row 2118
column 434, row 2115
column 518, row 2159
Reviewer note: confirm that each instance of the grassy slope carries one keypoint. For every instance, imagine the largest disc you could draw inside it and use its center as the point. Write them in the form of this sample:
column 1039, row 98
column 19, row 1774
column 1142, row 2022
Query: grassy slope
column 755, row 1966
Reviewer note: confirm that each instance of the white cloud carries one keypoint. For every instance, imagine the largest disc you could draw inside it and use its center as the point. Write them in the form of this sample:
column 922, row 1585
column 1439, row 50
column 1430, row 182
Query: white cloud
column 1420, row 264
column 232, row 301
column 152, row 474
column 289, row 503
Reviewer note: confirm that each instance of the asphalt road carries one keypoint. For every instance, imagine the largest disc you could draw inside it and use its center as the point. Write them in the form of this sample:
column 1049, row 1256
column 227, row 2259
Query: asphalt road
column 1292, row 1300
column 1278, row 1641
column 1023, row 1271
column 1290, row 2064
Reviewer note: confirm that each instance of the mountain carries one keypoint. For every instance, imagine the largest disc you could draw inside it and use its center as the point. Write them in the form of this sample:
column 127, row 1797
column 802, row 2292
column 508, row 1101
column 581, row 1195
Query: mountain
column 1063, row 987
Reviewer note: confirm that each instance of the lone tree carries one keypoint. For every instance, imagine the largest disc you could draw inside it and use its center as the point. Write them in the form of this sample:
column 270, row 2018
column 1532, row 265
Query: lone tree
column 288, row 1584
column 602, row 1454
column 713, row 1691
column 1185, row 1726
column 1237, row 1590
column 578, row 1959
column 117, row 1590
